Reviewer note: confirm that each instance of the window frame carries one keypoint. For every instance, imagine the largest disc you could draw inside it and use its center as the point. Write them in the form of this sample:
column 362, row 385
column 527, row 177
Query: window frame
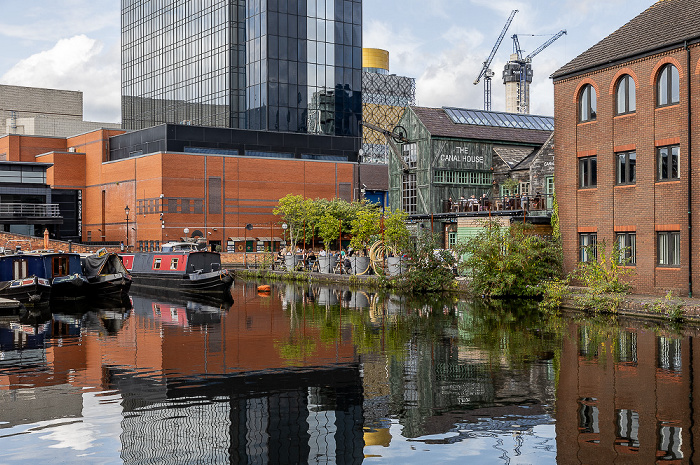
column 586, row 240
column 670, row 148
column 673, row 238
column 591, row 181
column 628, row 156
column 589, row 96
column 627, row 85
column 628, row 253
column 668, row 90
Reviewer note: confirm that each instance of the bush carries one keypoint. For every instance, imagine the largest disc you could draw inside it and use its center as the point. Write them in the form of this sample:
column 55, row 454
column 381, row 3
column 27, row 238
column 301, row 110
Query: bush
column 431, row 268
column 507, row 261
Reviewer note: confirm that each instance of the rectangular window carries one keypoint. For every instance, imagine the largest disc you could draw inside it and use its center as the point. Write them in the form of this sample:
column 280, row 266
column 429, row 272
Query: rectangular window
column 156, row 264
column 587, row 245
column 626, row 167
column 410, row 194
column 19, row 269
column 173, row 263
column 463, row 177
column 60, row 266
column 588, row 172
column 451, row 239
column 628, row 248
column 668, row 162
column 669, row 248
column 410, row 155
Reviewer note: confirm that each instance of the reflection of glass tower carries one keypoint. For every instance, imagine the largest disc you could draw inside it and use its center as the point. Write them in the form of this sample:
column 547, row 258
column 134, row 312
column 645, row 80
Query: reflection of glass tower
column 253, row 64
column 384, row 97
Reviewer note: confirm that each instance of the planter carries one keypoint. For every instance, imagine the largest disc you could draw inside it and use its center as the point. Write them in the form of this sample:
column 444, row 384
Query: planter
column 396, row 265
column 359, row 265
column 327, row 263
column 291, row 261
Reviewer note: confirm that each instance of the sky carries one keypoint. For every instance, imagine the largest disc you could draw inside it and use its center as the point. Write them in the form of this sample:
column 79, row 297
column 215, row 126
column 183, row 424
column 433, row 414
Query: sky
column 74, row 45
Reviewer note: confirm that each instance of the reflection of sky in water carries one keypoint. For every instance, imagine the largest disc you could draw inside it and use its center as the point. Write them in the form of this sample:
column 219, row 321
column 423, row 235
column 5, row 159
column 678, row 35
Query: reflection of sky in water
column 535, row 445
column 91, row 439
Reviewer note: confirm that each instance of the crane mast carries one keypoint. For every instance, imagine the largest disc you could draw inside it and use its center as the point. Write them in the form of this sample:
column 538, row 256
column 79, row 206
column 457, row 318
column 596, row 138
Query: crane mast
column 486, row 73
column 517, row 75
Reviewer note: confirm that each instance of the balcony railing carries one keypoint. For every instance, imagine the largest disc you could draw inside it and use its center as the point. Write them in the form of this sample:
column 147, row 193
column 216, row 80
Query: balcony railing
column 538, row 203
column 29, row 210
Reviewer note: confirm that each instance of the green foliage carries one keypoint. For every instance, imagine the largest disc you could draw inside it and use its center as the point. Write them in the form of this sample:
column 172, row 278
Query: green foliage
column 328, row 229
column 669, row 306
column 554, row 292
column 604, row 279
column 364, row 227
column 292, row 209
column 556, row 226
column 507, row 261
column 431, row 268
column 396, row 234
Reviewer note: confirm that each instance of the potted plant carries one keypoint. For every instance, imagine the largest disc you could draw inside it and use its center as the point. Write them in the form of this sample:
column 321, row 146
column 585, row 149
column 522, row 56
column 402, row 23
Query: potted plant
column 328, row 229
column 396, row 237
column 364, row 227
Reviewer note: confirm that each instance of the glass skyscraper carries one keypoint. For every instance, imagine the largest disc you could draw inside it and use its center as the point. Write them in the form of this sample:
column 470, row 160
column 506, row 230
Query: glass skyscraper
column 279, row 65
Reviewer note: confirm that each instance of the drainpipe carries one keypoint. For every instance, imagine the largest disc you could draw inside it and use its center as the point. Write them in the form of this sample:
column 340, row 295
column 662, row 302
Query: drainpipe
column 690, row 174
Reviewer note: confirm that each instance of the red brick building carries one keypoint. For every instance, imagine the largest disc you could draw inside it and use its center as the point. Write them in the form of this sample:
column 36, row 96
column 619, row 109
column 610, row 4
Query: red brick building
column 626, row 147
column 180, row 180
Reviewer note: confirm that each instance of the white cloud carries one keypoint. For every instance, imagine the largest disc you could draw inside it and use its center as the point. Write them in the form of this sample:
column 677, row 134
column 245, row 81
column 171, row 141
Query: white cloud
column 77, row 63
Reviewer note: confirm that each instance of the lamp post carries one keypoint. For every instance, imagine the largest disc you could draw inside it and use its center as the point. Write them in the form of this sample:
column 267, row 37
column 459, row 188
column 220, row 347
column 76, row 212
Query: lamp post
column 126, row 211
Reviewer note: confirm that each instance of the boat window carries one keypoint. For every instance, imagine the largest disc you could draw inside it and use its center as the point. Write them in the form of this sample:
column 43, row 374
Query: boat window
column 173, row 264
column 19, row 270
column 156, row 264
column 60, row 266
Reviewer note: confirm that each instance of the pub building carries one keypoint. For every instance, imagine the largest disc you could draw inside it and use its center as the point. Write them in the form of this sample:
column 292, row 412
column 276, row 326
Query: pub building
column 458, row 166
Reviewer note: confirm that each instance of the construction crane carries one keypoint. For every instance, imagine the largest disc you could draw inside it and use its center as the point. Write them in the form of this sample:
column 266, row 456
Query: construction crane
column 486, row 72
column 517, row 75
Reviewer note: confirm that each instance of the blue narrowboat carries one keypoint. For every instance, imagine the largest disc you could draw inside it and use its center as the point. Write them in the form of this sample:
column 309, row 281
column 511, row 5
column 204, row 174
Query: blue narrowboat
column 36, row 277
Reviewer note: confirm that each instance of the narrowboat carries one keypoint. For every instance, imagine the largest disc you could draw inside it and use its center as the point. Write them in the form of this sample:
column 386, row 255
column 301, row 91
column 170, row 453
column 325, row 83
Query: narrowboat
column 181, row 267
column 37, row 277
column 107, row 277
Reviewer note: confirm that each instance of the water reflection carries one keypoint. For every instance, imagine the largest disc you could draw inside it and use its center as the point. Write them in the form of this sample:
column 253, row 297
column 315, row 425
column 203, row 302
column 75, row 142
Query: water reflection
column 328, row 375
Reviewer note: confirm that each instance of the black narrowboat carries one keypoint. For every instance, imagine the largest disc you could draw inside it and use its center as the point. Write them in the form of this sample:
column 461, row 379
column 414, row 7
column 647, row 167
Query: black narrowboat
column 181, row 267
column 107, row 277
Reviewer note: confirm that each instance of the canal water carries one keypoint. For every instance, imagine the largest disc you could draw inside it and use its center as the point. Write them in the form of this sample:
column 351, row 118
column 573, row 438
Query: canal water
column 327, row 375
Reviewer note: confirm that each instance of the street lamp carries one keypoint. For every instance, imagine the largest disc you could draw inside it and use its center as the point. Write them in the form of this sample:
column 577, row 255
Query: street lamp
column 126, row 211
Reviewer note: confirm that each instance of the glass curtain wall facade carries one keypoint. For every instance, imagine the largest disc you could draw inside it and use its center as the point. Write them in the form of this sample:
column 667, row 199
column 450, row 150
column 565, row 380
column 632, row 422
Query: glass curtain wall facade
column 182, row 63
column 280, row 65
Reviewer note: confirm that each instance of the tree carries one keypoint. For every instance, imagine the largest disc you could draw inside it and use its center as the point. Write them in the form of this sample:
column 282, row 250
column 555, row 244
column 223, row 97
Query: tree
column 364, row 226
column 292, row 210
column 396, row 234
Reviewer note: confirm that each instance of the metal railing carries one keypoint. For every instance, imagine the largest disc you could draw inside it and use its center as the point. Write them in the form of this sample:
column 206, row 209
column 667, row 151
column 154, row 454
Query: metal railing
column 542, row 202
column 27, row 210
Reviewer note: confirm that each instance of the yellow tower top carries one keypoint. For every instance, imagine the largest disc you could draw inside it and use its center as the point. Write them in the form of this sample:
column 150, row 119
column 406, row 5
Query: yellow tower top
column 375, row 58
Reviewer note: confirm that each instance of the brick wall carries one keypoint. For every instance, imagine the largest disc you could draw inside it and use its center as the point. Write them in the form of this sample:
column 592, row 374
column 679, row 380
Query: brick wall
column 648, row 204
column 9, row 241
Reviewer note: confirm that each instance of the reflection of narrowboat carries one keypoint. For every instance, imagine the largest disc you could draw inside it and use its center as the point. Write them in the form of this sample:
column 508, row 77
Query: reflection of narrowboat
column 107, row 277
column 182, row 267
column 38, row 277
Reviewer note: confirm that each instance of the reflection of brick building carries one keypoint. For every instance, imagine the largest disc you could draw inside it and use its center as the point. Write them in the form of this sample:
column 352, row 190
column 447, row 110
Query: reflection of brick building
column 212, row 181
column 627, row 396
column 623, row 146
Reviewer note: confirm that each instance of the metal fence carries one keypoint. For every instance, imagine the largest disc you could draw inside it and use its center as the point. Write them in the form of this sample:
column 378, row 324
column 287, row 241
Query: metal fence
column 25, row 210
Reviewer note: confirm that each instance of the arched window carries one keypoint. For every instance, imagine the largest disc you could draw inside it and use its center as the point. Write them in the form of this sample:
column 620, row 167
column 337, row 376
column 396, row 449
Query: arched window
column 626, row 96
column 667, row 86
column 587, row 104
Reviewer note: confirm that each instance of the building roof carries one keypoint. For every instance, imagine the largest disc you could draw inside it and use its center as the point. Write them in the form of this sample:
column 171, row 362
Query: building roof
column 438, row 123
column 512, row 156
column 665, row 24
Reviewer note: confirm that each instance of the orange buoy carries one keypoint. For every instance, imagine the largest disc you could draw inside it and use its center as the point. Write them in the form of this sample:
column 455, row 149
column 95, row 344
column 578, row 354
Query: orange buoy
column 264, row 288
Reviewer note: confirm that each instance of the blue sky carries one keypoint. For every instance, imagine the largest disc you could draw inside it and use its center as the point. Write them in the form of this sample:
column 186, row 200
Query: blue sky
column 74, row 44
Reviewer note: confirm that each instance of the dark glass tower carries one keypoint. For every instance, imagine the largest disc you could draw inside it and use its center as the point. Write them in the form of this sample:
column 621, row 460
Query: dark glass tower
column 279, row 65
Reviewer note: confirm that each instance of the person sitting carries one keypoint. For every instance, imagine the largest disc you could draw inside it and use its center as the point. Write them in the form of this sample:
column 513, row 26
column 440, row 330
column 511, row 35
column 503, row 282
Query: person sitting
column 473, row 203
column 462, row 204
